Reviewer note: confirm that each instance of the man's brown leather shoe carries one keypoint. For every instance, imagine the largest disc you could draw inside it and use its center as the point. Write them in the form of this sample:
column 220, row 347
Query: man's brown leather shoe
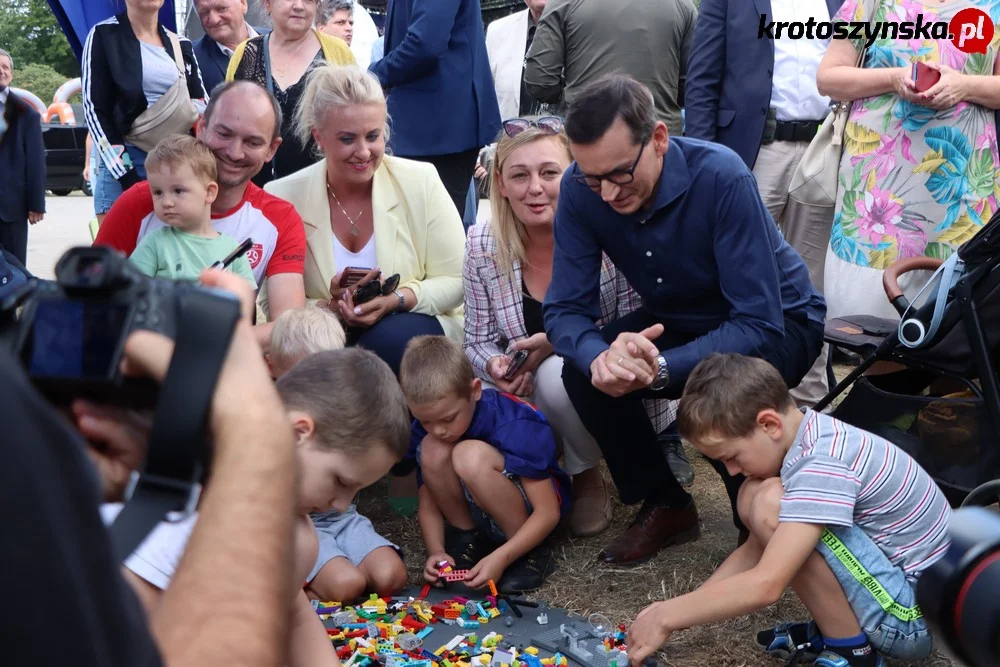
column 654, row 527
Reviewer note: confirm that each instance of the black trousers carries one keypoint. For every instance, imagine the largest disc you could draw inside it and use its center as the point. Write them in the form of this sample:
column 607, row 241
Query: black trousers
column 14, row 239
column 622, row 428
column 455, row 171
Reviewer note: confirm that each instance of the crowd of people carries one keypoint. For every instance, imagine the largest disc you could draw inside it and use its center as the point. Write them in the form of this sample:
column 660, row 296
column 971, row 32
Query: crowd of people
column 641, row 279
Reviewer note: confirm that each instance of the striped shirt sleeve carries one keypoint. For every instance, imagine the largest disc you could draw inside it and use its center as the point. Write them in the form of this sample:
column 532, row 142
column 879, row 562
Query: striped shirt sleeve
column 819, row 489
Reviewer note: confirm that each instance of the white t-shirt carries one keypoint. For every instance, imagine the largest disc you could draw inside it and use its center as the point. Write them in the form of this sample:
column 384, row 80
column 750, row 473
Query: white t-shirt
column 157, row 558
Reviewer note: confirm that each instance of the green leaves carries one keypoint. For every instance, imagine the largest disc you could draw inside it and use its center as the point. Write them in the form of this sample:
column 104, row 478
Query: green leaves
column 29, row 30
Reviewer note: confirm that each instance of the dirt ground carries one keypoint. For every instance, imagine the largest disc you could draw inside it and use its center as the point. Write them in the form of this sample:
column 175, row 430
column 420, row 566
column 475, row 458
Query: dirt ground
column 583, row 585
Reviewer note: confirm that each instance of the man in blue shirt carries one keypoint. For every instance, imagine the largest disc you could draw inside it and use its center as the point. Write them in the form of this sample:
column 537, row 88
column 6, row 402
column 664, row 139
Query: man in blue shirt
column 684, row 221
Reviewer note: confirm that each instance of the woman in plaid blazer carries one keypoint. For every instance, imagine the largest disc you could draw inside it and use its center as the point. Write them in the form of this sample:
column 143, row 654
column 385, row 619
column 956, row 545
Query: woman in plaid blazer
column 507, row 269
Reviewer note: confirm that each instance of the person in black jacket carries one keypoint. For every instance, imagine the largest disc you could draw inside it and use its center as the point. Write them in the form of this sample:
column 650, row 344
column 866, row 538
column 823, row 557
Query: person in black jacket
column 128, row 64
column 22, row 163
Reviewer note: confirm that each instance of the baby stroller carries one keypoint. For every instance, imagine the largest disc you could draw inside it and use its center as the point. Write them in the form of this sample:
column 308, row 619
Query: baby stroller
column 944, row 408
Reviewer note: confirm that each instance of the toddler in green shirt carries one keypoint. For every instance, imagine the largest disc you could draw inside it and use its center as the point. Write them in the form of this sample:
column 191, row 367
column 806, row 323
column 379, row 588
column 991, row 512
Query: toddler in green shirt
column 182, row 179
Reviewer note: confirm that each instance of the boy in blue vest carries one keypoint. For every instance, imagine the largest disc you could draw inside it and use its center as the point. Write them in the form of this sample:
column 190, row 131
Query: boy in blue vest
column 486, row 464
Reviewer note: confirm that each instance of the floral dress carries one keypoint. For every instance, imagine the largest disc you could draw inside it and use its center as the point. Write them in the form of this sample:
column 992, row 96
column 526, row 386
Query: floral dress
column 913, row 181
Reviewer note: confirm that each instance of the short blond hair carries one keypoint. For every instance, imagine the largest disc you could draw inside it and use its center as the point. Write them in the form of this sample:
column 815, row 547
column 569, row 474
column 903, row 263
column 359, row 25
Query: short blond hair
column 329, row 86
column 725, row 393
column 182, row 149
column 435, row 367
column 353, row 398
column 299, row 332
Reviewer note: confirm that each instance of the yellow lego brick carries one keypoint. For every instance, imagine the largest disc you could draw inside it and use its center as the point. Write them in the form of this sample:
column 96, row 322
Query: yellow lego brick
column 548, row 661
column 531, row 650
column 494, row 612
column 440, row 651
column 483, row 620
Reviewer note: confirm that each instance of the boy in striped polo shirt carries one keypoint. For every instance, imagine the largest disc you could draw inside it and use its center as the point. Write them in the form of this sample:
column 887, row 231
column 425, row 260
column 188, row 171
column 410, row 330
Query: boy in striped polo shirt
column 844, row 517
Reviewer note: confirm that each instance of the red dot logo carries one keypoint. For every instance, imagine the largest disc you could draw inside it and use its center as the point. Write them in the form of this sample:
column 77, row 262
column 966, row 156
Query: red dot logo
column 971, row 30
column 255, row 254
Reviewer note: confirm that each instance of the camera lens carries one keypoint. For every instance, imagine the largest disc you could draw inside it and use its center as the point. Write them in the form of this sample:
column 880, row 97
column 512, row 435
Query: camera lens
column 958, row 594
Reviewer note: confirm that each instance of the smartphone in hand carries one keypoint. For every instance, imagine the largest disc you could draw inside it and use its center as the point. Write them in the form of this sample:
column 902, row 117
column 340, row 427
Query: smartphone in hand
column 352, row 274
column 515, row 364
column 924, row 77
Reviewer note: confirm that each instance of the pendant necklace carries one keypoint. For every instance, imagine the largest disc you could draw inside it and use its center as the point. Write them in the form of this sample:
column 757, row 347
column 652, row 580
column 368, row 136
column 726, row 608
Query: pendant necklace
column 354, row 229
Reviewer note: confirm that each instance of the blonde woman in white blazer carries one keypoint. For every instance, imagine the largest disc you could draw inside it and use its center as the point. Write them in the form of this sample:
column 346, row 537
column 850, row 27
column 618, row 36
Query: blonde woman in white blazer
column 364, row 209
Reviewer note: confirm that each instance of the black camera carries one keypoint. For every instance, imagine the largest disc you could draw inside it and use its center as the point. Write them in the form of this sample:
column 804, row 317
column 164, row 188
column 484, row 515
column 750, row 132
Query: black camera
column 960, row 593
column 71, row 332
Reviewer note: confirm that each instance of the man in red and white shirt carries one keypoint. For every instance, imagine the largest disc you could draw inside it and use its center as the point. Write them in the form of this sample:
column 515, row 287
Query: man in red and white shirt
column 241, row 125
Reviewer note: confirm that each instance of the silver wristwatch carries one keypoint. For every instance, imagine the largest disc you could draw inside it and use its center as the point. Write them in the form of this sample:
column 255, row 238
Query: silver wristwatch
column 402, row 299
column 662, row 374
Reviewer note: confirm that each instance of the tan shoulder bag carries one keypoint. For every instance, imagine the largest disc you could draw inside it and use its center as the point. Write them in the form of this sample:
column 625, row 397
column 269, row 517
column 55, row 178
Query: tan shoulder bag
column 815, row 180
column 174, row 113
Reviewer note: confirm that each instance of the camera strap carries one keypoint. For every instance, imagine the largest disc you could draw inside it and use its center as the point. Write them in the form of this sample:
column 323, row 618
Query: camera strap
column 171, row 476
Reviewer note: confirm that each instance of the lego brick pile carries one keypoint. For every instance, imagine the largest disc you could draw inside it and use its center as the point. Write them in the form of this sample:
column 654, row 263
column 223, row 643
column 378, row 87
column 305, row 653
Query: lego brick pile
column 384, row 632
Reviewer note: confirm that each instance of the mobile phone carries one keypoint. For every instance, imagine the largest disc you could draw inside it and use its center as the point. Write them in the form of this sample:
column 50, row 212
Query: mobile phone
column 240, row 250
column 924, row 77
column 352, row 274
column 515, row 364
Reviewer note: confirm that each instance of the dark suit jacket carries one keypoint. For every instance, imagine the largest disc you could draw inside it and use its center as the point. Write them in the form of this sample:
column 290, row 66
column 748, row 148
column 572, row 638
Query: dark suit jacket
column 437, row 75
column 212, row 62
column 728, row 90
column 22, row 162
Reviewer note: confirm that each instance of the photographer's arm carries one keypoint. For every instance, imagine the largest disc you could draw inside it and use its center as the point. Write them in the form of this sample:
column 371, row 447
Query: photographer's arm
column 202, row 617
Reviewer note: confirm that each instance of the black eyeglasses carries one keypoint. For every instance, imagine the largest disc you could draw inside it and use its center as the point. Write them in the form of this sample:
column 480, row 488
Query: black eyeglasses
column 547, row 125
column 618, row 176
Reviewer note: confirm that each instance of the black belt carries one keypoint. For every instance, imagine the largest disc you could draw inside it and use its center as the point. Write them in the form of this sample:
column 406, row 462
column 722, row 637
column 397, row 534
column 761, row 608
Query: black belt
column 796, row 130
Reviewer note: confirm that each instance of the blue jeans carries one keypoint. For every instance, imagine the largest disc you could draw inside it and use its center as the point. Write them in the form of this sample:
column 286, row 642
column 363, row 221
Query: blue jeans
column 884, row 602
column 106, row 188
column 389, row 336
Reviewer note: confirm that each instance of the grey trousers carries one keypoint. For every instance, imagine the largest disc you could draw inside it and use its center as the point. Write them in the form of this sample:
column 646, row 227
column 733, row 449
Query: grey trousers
column 807, row 229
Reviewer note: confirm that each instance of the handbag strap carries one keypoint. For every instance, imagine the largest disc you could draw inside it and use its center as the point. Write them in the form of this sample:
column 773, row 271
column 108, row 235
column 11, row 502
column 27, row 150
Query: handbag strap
column 871, row 23
column 268, row 79
column 175, row 44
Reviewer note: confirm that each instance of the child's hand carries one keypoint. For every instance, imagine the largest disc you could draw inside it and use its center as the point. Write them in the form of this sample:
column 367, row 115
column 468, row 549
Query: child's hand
column 431, row 569
column 647, row 634
column 491, row 567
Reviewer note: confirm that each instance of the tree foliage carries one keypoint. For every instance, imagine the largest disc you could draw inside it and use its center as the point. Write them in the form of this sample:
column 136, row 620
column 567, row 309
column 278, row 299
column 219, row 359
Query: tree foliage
column 42, row 80
column 29, row 30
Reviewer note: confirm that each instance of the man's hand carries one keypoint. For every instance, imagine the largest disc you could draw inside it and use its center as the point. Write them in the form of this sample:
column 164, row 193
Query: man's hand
column 34, row 217
column 538, row 348
column 522, row 384
column 629, row 364
column 647, row 634
column 118, row 439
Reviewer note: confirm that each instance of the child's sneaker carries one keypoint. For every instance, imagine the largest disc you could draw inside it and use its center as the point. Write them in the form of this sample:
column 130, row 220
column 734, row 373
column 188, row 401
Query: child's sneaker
column 467, row 547
column 800, row 641
column 528, row 572
column 831, row 659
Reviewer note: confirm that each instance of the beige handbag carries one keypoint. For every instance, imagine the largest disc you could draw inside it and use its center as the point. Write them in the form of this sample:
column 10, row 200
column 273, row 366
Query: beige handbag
column 174, row 113
column 816, row 178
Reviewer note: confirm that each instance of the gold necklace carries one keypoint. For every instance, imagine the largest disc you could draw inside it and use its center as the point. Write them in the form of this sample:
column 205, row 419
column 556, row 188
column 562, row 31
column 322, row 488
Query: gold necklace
column 354, row 229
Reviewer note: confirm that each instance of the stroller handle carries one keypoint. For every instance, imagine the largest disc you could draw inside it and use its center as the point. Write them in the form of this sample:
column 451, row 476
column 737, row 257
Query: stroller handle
column 890, row 278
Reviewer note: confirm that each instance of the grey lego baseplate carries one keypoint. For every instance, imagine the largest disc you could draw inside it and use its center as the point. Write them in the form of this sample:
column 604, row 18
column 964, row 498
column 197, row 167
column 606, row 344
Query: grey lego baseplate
column 522, row 632
column 575, row 639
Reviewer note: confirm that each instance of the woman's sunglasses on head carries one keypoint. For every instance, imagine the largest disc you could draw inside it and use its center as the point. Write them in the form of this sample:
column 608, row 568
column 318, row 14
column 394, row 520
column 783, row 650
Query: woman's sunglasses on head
column 546, row 124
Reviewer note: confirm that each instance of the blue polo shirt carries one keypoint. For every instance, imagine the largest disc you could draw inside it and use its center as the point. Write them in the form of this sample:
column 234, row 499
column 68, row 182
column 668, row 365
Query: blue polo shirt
column 520, row 432
column 706, row 258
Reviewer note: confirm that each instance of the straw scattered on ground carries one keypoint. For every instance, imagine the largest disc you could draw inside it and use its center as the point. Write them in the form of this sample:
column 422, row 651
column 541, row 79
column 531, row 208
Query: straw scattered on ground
column 583, row 585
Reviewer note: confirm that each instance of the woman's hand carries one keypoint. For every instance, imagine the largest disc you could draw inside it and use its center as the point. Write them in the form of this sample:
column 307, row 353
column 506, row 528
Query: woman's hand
column 521, row 384
column 337, row 292
column 947, row 92
column 365, row 315
column 904, row 86
column 538, row 348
